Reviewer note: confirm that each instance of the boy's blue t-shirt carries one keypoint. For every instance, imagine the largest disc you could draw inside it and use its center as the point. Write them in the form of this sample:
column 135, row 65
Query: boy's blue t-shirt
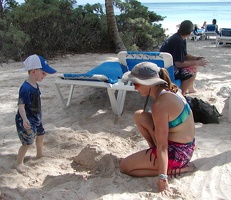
column 176, row 46
column 30, row 96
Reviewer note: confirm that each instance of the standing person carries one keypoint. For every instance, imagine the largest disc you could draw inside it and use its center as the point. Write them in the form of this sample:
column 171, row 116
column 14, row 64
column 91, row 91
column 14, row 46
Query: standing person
column 185, row 65
column 29, row 117
column 168, row 129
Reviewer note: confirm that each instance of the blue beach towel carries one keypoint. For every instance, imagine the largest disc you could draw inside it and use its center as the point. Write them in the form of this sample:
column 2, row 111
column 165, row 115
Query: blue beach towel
column 108, row 72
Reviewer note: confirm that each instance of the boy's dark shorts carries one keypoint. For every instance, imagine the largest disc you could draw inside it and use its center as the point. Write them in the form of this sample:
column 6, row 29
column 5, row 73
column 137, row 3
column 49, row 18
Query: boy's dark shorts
column 27, row 136
column 184, row 73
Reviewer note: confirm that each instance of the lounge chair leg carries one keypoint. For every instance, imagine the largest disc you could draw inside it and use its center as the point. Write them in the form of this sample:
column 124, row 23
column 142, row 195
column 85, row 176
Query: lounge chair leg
column 229, row 117
column 59, row 94
column 121, row 96
column 117, row 102
column 70, row 95
column 113, row 100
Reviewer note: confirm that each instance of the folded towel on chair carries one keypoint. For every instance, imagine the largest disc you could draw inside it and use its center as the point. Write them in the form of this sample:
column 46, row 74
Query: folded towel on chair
column 94, row 77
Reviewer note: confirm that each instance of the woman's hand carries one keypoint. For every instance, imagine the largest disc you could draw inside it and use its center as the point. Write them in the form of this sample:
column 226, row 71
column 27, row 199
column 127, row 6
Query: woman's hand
column 162, row 185
column 163, row 188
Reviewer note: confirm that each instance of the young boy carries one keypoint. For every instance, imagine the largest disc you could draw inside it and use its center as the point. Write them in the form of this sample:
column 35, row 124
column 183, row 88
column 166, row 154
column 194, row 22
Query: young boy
column 29, row 117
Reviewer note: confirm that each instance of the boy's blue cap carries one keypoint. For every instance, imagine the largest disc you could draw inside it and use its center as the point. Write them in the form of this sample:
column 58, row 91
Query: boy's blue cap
column 37, row 62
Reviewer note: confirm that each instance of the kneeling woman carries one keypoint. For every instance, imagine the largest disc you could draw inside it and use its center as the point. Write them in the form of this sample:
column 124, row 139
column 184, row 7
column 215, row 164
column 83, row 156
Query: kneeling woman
column 168, row 129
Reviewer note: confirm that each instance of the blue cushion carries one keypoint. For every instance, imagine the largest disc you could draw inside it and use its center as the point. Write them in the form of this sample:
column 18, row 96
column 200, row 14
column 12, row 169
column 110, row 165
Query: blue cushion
column 226, row 32
column 131, row 62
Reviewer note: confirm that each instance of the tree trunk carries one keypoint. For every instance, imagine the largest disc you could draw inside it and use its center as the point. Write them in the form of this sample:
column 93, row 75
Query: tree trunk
column 1, row 9
column 113, row 32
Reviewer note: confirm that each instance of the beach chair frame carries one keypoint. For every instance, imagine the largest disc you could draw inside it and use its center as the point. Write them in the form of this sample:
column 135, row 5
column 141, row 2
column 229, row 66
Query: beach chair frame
column 224, row 38
column 115, row 87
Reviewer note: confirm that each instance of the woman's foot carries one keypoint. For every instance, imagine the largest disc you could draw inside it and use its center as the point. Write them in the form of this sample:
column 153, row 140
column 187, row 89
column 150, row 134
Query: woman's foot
column 189, row 168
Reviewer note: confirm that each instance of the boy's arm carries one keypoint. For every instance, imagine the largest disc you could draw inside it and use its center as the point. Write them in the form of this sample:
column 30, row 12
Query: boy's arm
column 22, row 112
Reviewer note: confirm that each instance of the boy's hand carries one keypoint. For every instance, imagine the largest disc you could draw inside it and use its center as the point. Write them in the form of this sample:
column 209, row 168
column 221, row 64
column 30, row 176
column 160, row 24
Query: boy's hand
column 26, row 124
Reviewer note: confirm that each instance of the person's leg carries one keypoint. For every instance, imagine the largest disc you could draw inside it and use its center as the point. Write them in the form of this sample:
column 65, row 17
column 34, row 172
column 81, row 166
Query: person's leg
column 187, row 75
column 21, row 154
column 143, row 163
column 145, row 125
column 39, row 146
column 188, row 85
column 139, row 164
column 39, row 140
column 192, row 88
column 27, row 138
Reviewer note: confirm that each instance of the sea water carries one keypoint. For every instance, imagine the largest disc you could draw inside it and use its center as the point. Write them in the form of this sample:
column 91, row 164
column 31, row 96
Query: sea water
column 197, row 12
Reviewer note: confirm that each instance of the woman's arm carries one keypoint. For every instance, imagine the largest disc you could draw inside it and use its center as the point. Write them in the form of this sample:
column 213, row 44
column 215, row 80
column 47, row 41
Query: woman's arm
column 160, row 117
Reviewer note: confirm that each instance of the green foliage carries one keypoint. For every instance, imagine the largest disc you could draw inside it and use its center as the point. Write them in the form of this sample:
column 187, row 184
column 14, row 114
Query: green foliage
column 139, row 26
column 6, row 6
column 48, row 27
column 14, row 41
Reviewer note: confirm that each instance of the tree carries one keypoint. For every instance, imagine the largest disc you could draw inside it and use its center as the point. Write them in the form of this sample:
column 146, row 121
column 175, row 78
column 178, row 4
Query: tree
column 6, row 5
column 113, row 32
column 139, row 28
column 50, row 27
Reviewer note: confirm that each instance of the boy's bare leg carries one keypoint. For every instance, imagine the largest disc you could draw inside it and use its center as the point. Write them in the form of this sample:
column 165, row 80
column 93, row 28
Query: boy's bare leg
column 20, row 167
column 39, row 146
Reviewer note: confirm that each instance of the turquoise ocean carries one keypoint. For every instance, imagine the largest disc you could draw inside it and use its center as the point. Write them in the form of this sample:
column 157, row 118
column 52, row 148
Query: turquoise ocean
column 197, row 12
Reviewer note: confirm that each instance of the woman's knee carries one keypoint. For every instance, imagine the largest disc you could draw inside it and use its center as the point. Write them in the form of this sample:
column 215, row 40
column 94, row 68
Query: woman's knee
column 138, row 116
column 123, row 166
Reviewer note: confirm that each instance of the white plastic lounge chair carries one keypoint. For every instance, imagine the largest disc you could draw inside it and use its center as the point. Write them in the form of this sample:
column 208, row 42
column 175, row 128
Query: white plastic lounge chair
column 224, row 38
column 197, row 34
column 108, row 75
column 210, row 30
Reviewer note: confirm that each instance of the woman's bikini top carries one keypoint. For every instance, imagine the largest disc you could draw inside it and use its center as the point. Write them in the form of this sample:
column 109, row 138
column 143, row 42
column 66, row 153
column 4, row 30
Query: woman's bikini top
column 182, row 116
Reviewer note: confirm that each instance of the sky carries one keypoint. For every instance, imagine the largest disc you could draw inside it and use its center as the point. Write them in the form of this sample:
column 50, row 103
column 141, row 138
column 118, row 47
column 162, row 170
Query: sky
column 81, row 2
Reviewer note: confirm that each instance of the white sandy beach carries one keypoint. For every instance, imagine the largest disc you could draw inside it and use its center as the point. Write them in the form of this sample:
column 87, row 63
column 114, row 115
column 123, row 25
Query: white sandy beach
column 89, row 133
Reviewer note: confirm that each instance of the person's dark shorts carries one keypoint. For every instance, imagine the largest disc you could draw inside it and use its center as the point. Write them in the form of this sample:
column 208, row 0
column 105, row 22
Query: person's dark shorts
column 27, row 136
column 184, row 73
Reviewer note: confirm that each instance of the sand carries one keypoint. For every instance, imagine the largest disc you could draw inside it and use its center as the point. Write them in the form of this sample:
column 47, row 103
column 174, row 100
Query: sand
column 87, row 141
